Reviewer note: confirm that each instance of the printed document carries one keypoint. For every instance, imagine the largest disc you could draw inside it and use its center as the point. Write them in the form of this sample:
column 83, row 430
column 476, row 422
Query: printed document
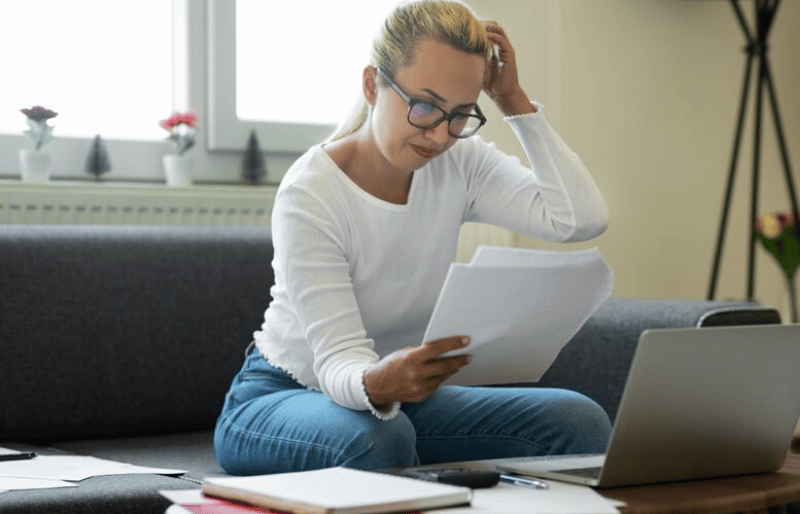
column 520, row 307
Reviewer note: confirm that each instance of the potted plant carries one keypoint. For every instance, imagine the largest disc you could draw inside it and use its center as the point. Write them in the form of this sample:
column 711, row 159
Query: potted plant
column 178, row 167
column 34, row 164
column 778, row 233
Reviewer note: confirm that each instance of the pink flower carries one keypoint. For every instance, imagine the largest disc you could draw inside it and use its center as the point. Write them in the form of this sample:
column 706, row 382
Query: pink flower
column 181, row 127
column 38, row 113
column 189, row 119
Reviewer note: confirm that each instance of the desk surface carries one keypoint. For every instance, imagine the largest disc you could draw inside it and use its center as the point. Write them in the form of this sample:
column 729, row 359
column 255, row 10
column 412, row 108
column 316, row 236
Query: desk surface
column 742, row 494
column 752, row 493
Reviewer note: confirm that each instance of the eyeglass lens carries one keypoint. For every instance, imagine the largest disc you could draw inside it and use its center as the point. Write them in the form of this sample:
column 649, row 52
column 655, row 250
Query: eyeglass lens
column 426, row 115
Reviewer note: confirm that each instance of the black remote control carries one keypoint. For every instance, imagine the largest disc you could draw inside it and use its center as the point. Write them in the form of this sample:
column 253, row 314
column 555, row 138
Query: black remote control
column 472, row 478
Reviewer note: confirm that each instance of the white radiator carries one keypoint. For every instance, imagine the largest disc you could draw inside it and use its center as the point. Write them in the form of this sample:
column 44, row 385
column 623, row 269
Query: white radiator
column 105, row 204
column 52, row 204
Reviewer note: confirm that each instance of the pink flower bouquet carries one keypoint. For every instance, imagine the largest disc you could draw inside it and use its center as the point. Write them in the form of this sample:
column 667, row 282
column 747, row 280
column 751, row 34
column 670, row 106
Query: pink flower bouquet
column 181, row 127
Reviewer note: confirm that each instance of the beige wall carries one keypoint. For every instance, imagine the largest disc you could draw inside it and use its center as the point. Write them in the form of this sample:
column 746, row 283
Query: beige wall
column 647, row 91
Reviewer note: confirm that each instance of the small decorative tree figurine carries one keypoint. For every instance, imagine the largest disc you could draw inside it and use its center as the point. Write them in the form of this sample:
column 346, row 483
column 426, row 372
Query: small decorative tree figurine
column 98, row 162
column 254, row 168
column 778, row 233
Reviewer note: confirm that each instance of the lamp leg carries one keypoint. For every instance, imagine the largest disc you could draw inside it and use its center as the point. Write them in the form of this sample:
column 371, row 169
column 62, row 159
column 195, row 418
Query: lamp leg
column 751, row 243
column 731, row 176
column 787, row 166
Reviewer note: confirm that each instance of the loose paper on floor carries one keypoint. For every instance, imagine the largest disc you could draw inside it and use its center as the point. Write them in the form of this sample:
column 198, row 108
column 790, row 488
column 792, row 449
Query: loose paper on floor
column 46, row 471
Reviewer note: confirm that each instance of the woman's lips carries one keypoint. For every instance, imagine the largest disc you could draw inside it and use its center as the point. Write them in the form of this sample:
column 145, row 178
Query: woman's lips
column 426, row 153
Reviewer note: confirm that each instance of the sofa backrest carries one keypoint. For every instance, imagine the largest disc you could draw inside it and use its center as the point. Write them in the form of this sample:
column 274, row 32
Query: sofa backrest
column 597, row 360
column 109, row 331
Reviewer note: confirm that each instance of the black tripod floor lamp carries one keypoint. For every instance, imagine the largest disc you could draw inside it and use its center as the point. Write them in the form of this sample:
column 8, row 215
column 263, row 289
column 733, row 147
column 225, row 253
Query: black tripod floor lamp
column 756, row 49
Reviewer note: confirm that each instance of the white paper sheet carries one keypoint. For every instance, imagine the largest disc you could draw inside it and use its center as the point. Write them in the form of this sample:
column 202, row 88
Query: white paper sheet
column 74, row 468
column 16, row 484
column 560, row 498
column 187, row 496
column 519, row 307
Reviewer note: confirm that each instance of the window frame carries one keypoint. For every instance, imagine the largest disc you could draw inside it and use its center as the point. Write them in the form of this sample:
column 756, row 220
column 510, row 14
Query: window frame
column 225, row 131
column 131, row 160
column 198, row 26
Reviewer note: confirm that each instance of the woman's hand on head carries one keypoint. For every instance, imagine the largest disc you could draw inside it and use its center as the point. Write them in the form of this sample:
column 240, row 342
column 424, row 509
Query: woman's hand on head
column 414, row 373
column 502, row 84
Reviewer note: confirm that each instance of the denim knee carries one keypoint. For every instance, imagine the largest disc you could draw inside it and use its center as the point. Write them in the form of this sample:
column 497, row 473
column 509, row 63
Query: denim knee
column 267, row 436
column 584, row 424
column 381, row 444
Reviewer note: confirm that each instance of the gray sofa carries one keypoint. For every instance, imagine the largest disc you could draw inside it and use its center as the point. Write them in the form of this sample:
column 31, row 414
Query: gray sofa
column 120, row 342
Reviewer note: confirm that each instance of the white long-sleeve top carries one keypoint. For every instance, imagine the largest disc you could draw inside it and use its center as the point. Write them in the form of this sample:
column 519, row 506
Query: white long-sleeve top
column 356, row 277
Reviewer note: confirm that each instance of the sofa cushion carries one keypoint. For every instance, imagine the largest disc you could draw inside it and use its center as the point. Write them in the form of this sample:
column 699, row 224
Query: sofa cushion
column 597, row 359
column 113, row 331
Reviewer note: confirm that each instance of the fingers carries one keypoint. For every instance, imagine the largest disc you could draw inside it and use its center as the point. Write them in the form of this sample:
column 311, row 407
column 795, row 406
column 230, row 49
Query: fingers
column 412, row 374
column 497, row 35
column 427, row 377
column 502, row 81
column 430, row 363
column 425, row 365
column 433, row 349
column 444, row 368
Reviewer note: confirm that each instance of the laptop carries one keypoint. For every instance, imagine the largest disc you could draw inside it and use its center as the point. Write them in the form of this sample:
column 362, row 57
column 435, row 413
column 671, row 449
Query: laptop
column 698, row 403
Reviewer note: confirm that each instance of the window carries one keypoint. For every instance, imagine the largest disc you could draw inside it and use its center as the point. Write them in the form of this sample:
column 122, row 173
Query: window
column 117, row 68
column 104, row 67
column 295, row 67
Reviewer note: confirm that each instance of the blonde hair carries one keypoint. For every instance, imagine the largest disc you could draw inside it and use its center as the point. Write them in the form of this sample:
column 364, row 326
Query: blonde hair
column 395, row 45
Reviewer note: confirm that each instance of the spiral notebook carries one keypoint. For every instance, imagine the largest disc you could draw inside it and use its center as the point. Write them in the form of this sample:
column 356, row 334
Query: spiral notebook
column 337, row 491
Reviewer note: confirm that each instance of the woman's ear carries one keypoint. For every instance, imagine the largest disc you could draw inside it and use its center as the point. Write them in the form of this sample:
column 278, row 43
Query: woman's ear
column 369, row 84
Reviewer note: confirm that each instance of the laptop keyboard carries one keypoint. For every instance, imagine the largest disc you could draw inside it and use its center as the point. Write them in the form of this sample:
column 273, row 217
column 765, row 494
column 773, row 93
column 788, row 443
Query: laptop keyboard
column 582, row 472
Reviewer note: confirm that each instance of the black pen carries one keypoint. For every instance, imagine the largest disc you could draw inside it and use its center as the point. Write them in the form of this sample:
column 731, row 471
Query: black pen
column 17, row 456
column 530, row 482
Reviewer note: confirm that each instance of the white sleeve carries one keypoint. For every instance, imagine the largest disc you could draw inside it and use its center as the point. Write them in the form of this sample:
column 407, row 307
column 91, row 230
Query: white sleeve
column 310, row 253
column 555, row 199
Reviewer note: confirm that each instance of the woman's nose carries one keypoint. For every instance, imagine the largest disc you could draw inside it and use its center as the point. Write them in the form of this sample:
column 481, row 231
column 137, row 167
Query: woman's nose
column 439, row 133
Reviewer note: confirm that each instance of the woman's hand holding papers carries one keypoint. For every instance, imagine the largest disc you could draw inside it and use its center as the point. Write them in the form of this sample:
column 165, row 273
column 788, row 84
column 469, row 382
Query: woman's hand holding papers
column 414, row 373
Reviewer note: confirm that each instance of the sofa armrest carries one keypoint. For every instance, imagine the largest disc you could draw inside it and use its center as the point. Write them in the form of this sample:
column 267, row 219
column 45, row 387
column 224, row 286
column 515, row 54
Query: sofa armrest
column 596, row 361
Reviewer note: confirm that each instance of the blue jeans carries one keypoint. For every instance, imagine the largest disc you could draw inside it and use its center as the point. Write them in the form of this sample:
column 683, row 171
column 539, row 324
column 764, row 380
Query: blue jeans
column 272, row 424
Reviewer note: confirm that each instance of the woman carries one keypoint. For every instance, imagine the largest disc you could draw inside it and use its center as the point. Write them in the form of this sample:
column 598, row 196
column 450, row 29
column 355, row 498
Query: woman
column 365, row 227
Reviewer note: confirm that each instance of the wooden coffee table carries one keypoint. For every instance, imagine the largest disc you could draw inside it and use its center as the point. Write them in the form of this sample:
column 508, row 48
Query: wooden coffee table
column 749, row 494
column 741, row 494
column 746, row 494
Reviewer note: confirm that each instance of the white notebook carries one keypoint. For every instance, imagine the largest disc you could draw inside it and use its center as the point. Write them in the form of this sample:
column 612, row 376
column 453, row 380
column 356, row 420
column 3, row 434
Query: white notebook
column 337, row 491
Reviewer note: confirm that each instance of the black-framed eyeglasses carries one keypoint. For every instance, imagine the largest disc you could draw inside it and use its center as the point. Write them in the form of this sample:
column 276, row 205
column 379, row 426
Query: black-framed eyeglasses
column 425, row 115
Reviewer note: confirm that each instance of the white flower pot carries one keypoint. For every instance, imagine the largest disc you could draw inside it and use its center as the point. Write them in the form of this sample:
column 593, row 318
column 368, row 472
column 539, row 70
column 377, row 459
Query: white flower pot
column 34, row 166
column 178, row 169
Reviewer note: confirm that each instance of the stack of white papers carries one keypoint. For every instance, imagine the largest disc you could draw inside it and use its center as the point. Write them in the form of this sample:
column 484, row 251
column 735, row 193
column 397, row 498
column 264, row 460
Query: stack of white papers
column 519, row 307
column 46, row 471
